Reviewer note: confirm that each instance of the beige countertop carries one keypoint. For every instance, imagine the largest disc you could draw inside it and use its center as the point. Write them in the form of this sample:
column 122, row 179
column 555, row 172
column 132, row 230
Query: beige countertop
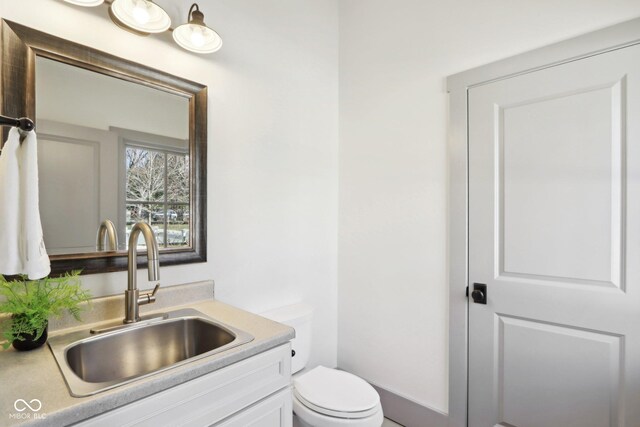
column 35, row 375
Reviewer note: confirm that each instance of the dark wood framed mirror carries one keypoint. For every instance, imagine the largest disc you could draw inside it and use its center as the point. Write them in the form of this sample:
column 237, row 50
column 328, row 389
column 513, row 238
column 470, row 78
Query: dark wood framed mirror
column 178, row 216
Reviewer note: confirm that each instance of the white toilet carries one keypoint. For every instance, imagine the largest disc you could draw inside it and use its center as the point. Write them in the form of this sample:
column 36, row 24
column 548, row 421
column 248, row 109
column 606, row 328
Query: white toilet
column 324, row 397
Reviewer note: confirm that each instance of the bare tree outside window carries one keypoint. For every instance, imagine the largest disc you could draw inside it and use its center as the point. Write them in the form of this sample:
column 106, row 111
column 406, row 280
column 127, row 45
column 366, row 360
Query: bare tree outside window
column 157, row 192
column 178, row 178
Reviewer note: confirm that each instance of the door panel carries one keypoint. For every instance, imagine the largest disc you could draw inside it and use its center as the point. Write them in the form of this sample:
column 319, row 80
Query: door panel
column 554, row 215
column 69, row 177
column 553, row 173
column 543, row 382
column 78, row 169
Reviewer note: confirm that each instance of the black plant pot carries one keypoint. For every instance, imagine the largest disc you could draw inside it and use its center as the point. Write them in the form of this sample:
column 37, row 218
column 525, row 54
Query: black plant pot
column 29, row 343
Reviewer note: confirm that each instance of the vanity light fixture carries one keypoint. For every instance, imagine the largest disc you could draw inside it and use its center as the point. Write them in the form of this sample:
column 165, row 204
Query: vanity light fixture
column 141, row 16
column 195, row 36
column 86, row 3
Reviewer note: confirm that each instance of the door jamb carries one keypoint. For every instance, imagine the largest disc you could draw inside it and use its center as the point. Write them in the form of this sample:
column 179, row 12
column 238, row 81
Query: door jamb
column 458, row 85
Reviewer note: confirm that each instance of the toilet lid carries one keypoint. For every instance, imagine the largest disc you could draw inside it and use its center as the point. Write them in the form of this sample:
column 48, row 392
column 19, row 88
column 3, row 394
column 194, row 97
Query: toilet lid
column 336, row 393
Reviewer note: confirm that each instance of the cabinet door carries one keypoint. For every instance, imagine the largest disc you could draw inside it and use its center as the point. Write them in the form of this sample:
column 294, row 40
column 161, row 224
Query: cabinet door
column 274, row 411
column 207, row 399
column 554, row 233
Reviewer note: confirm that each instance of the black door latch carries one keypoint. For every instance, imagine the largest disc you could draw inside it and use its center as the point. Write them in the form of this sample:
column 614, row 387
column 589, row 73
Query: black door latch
column 479, row 293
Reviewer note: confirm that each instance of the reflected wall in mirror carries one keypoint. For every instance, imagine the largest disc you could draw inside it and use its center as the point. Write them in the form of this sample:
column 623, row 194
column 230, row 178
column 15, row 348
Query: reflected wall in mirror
column 117, row 141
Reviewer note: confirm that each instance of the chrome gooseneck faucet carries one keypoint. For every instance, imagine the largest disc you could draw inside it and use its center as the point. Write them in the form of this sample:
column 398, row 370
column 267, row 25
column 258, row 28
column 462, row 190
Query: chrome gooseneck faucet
column 107, row 231
column 132, row 298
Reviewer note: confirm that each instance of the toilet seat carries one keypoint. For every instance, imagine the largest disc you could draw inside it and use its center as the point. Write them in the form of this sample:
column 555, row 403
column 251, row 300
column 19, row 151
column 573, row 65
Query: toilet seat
column 306, row 417
column 328, row 397
column 333, row 413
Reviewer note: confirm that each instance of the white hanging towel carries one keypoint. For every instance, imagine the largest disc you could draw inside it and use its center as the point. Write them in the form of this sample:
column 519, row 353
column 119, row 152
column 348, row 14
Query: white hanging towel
column 10, row 260
column 35, row 261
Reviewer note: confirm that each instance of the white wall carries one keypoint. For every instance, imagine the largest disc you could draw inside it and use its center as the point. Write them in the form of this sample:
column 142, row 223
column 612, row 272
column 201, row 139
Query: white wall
column 272, row 148
column 394, row 58
column 76, row 96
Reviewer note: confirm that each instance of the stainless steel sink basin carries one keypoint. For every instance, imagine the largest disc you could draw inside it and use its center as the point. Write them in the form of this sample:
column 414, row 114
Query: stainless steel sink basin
column 91, row 364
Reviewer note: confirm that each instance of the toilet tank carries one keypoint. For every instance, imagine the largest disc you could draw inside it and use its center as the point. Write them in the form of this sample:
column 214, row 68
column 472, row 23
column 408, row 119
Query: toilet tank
column 299, row 317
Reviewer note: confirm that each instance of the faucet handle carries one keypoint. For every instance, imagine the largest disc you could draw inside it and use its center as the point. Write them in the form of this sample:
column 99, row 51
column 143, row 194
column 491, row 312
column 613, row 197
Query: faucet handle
column 155, row 290
column 149, row 297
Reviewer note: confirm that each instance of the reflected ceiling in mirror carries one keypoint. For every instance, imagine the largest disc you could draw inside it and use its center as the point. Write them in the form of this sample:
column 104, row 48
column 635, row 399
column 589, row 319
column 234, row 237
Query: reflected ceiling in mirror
column 118, row 141
column 119, row 150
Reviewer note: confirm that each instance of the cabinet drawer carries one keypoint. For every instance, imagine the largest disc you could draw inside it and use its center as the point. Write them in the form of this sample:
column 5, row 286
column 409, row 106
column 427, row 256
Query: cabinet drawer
column 207, row 399
column 274, row 411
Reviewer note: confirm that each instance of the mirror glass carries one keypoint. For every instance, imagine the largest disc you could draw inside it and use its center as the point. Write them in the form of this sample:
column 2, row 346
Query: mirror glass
column 110, row 149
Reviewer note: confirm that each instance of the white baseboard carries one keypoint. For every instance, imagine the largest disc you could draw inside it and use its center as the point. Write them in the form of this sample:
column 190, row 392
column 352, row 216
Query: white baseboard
column 408, row 413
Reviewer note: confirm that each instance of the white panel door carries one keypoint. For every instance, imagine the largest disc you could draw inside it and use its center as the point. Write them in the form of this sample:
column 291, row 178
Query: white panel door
column 554, row 233
column 78, row 169
column 69, row 172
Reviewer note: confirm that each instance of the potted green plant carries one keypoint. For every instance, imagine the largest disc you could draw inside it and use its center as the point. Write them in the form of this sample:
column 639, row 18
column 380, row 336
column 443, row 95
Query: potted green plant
column 31, row 303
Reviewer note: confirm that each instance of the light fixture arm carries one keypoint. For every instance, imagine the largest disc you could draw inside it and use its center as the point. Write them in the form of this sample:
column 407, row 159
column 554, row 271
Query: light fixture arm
column 195, row 5
column 195, row 16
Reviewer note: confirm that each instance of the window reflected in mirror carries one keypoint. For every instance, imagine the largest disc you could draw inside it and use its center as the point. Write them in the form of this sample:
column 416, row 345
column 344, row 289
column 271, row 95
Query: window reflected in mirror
column 157, row 192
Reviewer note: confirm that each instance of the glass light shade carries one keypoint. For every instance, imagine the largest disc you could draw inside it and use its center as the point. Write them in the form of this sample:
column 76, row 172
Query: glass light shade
column 86, row 3
column 197, row 38
column 141, row 15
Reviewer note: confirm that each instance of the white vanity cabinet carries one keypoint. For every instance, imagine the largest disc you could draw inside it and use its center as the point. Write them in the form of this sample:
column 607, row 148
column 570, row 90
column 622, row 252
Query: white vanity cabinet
column 253, row 392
